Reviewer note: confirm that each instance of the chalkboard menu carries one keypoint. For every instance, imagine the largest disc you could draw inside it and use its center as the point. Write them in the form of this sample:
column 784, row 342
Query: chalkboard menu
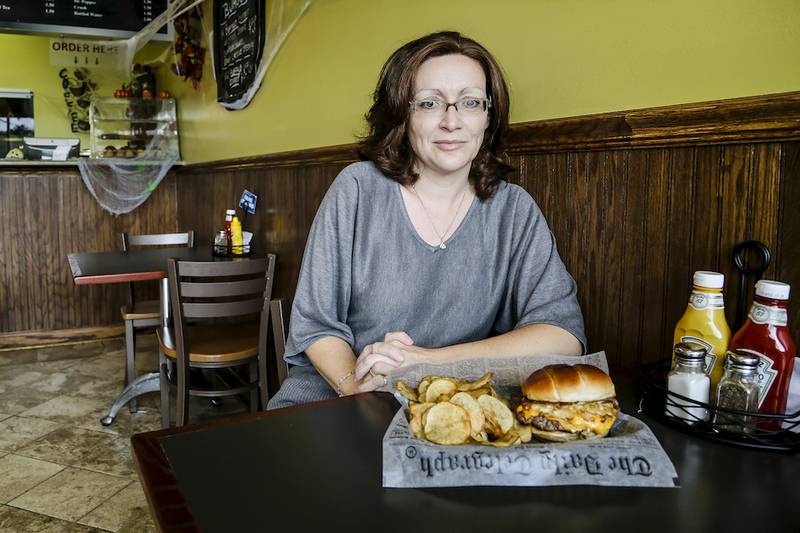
column 107, row 18
column 238, row 45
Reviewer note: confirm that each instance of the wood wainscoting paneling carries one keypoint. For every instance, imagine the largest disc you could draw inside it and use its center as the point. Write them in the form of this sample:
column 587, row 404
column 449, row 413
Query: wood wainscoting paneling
column 632, row 225
column 46, row 213
column 637, row 200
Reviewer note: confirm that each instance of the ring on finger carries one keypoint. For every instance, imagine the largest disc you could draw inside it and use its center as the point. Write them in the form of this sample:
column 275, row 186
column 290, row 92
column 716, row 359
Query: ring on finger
column 385, row 380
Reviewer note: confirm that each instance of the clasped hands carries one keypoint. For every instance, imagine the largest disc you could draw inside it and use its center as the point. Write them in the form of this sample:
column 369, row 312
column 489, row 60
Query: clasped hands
column 379, row 358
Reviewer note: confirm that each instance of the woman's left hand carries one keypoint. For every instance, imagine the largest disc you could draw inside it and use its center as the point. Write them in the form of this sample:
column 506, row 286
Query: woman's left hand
column 378, row 359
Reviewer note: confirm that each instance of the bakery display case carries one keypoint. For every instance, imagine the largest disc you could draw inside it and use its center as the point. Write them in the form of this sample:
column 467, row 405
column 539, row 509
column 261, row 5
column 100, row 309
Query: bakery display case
column 127, row 128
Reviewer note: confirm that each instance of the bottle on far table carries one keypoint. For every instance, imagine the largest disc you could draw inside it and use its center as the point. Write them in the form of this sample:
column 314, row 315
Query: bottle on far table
column 766, row 335
column 688, row 378
column 229, row 214
column 704, row 322
column 236, row 237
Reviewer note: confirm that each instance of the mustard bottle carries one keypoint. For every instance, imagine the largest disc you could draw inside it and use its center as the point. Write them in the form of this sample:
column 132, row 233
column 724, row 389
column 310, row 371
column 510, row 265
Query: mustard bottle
column 236, row 236
column 704, row 322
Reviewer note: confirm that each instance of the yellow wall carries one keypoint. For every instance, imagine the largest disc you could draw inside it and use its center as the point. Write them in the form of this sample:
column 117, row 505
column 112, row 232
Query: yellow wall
column 26, row 65
column 562, row 57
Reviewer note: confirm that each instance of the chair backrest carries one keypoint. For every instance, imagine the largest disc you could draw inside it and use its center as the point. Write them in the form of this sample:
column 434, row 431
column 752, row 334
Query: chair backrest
column 220, row 289
column 280, row 322
column 160, row 239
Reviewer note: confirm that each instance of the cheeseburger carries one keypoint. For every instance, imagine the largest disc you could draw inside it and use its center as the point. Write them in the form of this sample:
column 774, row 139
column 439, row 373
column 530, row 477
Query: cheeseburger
column 563, row 403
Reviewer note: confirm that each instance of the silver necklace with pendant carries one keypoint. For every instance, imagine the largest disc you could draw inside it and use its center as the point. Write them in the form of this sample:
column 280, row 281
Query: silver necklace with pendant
column 441, row 237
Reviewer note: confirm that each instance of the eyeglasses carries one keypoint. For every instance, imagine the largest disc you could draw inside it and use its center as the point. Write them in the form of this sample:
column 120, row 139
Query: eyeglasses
column 469, row 105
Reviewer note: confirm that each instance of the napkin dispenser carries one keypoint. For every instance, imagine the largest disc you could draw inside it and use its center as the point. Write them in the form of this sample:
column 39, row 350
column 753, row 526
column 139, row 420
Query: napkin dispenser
column 50, row 149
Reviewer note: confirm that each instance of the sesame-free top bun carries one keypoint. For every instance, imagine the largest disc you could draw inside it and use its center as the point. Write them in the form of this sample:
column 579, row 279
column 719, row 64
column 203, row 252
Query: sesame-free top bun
column 568, row 383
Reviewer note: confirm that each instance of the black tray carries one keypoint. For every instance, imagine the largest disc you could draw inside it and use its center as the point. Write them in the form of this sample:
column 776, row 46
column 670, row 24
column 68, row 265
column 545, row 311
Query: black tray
column 226, row 250
column 749, row 434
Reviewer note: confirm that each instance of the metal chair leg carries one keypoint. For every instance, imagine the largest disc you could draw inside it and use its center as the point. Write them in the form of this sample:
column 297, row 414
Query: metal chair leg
column 253, row 378
column 262, row 380
column 163, row 366
column 182, row 392
column 130, row 355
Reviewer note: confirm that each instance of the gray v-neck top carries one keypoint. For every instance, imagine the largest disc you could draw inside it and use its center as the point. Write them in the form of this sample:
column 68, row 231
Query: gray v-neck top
column 366, row 271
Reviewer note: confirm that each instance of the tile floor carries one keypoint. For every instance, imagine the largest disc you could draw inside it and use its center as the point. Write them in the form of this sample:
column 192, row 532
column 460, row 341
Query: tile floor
column 60, row 469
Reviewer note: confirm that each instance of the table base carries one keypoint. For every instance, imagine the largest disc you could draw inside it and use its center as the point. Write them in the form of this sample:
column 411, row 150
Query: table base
column 141, row 385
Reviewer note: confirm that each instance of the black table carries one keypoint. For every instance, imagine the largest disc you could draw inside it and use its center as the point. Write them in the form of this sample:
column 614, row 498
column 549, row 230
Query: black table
column 318, row 467
column 93, row 268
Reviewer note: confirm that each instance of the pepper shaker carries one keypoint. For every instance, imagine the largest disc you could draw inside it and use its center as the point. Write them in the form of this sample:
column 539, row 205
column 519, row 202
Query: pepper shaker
column 738, row 390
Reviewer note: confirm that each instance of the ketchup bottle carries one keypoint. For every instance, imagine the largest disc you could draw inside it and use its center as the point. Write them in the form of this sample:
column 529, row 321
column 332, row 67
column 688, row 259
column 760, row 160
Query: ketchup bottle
column 765, row 333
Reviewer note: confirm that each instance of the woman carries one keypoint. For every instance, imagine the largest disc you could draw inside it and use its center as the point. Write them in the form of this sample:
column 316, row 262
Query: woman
column 422, row 252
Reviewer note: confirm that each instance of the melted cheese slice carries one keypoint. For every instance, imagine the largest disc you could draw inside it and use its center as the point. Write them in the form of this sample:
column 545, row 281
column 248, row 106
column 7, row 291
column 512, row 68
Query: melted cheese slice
column 596, row 417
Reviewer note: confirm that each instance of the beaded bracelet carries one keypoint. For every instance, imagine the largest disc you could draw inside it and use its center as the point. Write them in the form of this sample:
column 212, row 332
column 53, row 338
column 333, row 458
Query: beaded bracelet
column 344, row 378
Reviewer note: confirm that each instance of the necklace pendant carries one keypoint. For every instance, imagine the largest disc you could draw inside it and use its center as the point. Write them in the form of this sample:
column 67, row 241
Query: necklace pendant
column 442, row 246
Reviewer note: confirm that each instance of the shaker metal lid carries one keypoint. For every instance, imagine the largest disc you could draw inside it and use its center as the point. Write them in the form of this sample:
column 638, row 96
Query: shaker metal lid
column 691, row 351
column 741, row 359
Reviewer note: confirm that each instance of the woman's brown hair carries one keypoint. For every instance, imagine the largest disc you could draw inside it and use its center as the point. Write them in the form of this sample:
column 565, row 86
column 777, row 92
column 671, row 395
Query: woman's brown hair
column 386, row 143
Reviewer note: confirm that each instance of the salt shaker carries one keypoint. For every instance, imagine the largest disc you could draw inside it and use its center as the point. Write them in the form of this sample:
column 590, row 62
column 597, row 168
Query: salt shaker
column 738, row 389
column 688, row 378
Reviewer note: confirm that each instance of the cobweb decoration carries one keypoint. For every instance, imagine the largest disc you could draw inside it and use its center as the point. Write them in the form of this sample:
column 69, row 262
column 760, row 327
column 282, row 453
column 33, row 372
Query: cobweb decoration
column 122, row 185
column 282, row 15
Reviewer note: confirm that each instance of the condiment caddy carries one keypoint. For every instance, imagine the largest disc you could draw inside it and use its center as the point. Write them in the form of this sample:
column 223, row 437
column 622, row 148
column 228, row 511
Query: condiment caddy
column 749, row 429
column 732, row 389
column 232, row 241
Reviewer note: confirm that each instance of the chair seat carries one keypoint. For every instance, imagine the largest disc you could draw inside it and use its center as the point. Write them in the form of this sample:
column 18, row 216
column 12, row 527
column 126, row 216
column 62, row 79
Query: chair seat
column 141, row 310
column 217, row 343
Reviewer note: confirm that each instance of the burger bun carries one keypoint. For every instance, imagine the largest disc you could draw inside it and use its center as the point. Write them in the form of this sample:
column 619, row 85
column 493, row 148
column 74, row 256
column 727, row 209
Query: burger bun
column 568, row 383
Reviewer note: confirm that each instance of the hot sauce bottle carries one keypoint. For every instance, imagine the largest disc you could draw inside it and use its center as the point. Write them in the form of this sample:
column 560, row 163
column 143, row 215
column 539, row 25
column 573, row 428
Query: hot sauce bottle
column 704, row 322
column 765, row 334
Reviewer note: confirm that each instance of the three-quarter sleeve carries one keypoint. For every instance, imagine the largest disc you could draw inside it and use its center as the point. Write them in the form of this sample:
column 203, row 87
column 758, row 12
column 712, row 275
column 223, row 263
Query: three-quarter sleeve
column 539, row 289
column 323, row 289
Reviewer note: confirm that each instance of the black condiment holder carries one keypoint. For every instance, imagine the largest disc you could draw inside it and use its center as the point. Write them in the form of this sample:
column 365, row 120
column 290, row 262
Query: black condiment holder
column 227, row 250
column 743, row 428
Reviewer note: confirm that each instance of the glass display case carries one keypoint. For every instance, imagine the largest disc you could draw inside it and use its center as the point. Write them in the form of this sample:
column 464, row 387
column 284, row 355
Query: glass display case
column 125, row 128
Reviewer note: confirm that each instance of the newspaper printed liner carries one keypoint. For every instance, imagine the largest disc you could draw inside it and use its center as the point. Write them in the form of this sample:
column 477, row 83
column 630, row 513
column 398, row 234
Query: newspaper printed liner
column 629, row 456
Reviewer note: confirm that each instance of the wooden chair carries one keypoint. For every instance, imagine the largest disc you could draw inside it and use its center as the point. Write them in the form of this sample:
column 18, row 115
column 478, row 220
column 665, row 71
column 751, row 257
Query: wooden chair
column 280, row 322
column 201, row 291
column 147, row 313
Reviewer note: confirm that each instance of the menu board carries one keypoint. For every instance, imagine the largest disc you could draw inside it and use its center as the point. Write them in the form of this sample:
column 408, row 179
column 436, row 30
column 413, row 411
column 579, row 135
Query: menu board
column 238, row 45
column 106, row 18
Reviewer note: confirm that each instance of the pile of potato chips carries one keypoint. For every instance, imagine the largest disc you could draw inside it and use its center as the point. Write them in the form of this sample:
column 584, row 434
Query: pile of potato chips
column 447, row 410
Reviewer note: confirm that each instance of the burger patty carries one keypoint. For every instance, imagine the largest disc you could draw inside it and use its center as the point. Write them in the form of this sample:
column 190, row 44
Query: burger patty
column 541, row 422
column 577, row 417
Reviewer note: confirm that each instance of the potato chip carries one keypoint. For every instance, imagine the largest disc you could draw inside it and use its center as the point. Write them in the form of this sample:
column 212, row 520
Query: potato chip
column 440, row 390
column 524, row 431
column 415, row 426
column 473, row 409
column 480, row 438
column 464, row 386
column 509, row 439
column 499, row 418
column 423, row 384
column 446, row 423
column 405, row 390
column 416, row 409
column 477, row 393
